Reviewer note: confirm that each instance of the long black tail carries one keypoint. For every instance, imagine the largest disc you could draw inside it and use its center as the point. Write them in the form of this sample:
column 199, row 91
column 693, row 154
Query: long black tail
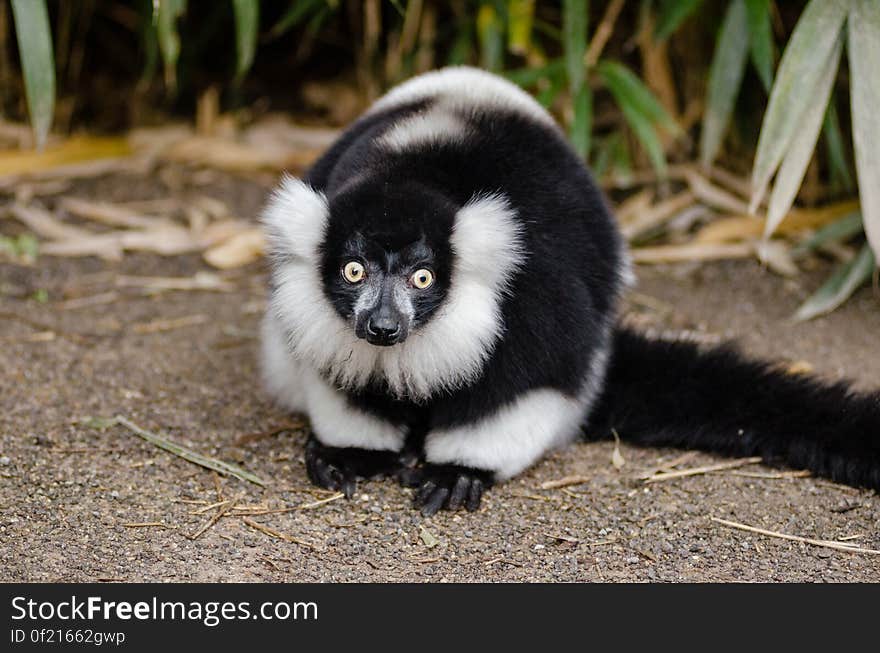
column 676, row 394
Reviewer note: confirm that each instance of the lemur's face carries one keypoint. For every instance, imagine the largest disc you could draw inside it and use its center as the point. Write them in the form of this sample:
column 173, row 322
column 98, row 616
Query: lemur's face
column 386, row 262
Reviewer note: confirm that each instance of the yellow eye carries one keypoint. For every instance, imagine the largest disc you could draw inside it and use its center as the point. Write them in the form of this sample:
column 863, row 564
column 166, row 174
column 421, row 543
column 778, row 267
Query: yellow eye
column 421, row 279
column 354, row 272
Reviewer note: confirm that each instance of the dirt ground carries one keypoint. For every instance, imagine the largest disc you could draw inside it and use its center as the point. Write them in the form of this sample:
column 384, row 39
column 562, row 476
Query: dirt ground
column 69, row 492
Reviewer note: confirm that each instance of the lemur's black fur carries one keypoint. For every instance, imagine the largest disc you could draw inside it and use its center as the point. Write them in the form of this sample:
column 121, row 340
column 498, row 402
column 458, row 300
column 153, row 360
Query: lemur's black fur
column 397, row 208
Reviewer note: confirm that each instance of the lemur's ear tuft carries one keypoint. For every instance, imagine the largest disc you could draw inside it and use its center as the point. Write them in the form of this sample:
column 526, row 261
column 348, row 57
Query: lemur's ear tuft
column 295, row 219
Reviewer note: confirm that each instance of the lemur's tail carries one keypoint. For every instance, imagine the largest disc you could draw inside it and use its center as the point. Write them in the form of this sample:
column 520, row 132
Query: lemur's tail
column 676, row 394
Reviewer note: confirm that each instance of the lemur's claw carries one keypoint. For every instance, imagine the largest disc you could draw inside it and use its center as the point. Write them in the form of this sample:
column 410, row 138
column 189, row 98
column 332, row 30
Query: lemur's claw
column 339, row 469
column 450, row 487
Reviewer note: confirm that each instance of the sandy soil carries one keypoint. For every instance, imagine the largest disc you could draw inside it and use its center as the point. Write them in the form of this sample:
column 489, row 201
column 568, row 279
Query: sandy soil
column 67, row 491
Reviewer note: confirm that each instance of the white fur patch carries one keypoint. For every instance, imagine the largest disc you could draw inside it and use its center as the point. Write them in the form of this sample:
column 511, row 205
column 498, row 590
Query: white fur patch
column 467, row 90
column 445, row 353
column 436, row 125
column 282, row 374
column 521, row 433
column 337, row 423
column 512, row 439
column 298, row 388
column 295, row 219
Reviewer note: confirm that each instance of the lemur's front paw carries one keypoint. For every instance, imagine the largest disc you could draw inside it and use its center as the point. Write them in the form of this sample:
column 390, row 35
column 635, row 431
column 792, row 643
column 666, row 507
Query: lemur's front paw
column 451, row 487
column 339, row 469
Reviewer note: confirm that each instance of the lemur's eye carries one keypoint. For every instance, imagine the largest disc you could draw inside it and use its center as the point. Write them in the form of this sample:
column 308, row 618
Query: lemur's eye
column 354, row 272
column 421, row 279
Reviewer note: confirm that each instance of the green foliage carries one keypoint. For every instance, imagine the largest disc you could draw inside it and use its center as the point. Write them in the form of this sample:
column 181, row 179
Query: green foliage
column 544, row 47
column 247, row 19
column 38, row 63
column 168, row 13
column 574, row 30
column 725, row 77
column 671, row 14
column 839, row 286
column 791, row 126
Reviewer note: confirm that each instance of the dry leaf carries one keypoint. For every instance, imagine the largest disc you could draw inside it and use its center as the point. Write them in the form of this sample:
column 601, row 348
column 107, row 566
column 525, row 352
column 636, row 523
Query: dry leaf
column 427, row 538
column 240, row 249
column 616, row 457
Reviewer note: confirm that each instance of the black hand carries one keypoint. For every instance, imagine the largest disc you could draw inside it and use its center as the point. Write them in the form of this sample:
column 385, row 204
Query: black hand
column 336, row 468
column 450, row 487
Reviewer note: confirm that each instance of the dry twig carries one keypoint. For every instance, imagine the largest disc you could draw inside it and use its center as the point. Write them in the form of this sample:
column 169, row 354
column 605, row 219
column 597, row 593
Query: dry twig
column 828, row 544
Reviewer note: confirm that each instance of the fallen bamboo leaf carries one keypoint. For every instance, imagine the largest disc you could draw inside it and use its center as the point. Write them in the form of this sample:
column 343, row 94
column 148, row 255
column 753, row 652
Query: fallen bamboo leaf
column 44, row 224
column 241, row 249
column 658, row 214
column 565, row 481
column 157, row 326
column 829, row 544
column 801, row 473
column 694, row 471
column 187, row 454
column 711, row 195
column 635, row 205
column 692, row 252
column 746, row 227
column 114, row 215
column 77, row 149
column 91, row 300
column 199, row 281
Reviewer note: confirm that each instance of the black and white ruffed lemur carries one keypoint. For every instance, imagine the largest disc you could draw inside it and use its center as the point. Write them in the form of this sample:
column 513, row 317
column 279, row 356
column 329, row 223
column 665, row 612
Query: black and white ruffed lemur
column 444, row 290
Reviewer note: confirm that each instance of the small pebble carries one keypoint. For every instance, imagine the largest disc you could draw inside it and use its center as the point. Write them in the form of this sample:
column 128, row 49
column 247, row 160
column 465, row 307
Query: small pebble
column 5, row 460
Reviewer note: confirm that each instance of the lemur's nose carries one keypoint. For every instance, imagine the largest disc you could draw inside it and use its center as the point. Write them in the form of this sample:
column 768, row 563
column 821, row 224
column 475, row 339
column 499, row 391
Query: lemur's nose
column 383, row 327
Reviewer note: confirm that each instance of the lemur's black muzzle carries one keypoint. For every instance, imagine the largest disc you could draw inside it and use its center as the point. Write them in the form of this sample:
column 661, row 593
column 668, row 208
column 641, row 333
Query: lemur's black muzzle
column 384, row 324
column 383, row 327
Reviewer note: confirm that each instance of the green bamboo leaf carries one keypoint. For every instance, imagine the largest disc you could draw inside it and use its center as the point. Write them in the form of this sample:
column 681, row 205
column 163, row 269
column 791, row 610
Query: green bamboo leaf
column 864, row 66
column 842, row 283
column 837, row 160
column 672, row 14
column 169, row 39
column 761, row 39
column 803, row 143
column 725, row 78
column 582, row 123
column 803, row 63
column 528, row 77
column 521, row 16
column 624, row 84
column 574, row 36
column 490, row 33
column 838, row 231
column 247, row 20
column 641, row 110
column 297, row 12
column 186, row 453
column 34, row 37
column 556, row 84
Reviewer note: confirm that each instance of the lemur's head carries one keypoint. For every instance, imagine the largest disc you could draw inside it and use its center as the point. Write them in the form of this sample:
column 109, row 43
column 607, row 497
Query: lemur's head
column 386, row 259
column 396, row 283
